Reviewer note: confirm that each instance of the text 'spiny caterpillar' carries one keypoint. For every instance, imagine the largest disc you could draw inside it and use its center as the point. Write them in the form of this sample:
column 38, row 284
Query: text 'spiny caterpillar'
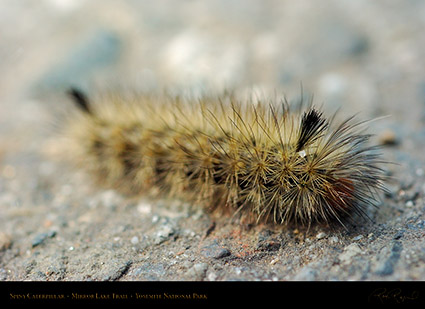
column 260, row 160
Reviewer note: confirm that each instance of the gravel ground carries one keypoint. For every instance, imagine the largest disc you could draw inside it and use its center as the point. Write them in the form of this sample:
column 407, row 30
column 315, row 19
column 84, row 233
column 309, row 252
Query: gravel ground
column 55, row 225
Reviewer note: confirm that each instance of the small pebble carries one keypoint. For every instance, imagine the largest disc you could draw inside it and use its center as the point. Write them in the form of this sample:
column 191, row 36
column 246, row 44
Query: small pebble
column 144, row 208
column 155, row 218
column 386, row 267
column 41, row 237
column 399, row 234
column 334, row 239
column 358, row 237
column 388, row 137
column 409, row 204
column 134, row 240
column 349, row 252
column 198, row 270
column 163, row 234
column 5, row 241
column 215, row 251
column 212, row 276
column 306, row 274
column 321, row 235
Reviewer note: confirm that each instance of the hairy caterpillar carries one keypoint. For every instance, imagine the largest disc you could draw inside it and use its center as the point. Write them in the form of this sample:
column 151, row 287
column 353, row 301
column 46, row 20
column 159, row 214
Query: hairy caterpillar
column 264, row 161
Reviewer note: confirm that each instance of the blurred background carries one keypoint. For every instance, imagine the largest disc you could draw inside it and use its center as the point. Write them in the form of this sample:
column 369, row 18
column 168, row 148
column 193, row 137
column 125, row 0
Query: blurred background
column 367, row 55
column 362, row 56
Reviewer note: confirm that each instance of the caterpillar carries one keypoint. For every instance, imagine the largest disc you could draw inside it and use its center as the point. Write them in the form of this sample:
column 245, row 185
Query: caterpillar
column 262, row 160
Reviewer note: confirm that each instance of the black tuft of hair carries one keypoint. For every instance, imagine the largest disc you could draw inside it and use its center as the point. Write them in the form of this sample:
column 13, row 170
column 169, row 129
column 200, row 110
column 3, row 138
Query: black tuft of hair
column 312, row 125
column 80, row 99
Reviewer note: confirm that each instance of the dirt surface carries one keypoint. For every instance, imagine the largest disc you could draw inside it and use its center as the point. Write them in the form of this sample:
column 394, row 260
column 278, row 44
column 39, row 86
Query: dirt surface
column 365, row 57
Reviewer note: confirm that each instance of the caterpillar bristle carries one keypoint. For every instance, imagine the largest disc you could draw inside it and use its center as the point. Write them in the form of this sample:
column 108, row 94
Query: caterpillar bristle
column 261, row 161
column 80, row 99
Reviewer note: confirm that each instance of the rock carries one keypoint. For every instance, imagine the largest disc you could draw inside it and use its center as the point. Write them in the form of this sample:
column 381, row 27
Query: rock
column 118, row 272
column 334, row 240
column 409, row 204
column 349, row 252
column 41, row 237
column 306, row 274
column 266, row 243
column 3, row 274
column 5, row 241
column 163, row 234
column 358, row 237
column 134, row 240
column 388, row 137
column 212, row 276
column 271, row 245
column 399, row 234
column 148, row 271
column 387, row 267
column 215, row 251
column 321, row 235
column 198, row 271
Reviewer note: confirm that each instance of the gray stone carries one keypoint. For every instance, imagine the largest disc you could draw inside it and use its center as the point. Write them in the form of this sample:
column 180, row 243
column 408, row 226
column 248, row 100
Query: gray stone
column 41, row 237
column 198, row 271
column 349, row 252
column 5, row 241
column 117, row 270
column 215, row 251
column 164, row 233
column 306, row 274
column 387, row 267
